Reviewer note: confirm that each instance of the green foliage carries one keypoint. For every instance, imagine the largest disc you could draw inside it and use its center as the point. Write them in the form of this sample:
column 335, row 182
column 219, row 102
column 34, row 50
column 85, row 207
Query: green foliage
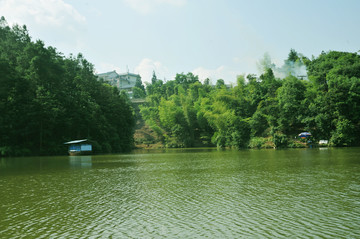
column 343, row 134
column 240, row 133
column 47, row 99
column 290, row 96
column 220, row 84
column 187, row 79
column 260, row 142
column 296, row 144
column 280, row 140
column 335, row 109
column 293, row 56
column 261, row 112
column 258, row 124
column 257, row 142
column 139, row 89
column 138, row 93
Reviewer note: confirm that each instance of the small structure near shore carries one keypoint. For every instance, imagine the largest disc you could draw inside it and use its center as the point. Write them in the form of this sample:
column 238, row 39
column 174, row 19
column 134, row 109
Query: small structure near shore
column 323, row 142
column 305, row 135
column 79, row 147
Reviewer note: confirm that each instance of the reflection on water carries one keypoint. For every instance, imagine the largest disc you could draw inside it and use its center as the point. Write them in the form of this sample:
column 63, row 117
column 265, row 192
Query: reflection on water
column 193, row 193
column 80, row 161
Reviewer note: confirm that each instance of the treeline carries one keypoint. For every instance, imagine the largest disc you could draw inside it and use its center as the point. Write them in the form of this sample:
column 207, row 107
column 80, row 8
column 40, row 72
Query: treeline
column 47, row 99
column 263, row 111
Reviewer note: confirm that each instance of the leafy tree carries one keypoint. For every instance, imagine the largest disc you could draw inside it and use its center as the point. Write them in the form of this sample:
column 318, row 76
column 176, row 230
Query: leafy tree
column 139, row 89
column 185, row 80
column 343, row 134
column 220, row 83
column 290, row 96
column 47, row 99
column 153, row 78
column 293, row 56
column 335, row 76
column 266, row 110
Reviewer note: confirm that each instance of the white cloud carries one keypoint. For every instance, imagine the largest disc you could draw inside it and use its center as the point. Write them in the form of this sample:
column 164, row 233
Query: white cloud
column 107, row 67
column 147, row 66
column 222, row 72
column 42, row 12
column 53, row 21
column 148, row 6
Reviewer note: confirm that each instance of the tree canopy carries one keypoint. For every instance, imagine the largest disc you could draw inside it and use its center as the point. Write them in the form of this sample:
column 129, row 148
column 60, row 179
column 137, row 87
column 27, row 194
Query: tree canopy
column 47, row 99
column 263, row 111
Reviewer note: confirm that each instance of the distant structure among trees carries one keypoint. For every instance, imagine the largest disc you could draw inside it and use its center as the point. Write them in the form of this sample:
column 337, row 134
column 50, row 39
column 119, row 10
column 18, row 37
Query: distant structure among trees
column 125, row 81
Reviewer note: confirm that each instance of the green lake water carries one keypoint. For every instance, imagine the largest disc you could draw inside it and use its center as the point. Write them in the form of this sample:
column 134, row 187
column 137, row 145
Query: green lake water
column 193, row 193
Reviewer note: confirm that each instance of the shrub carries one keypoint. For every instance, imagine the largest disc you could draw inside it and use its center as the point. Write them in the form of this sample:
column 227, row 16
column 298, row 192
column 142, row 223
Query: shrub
column 257, row 142
column 280, row 140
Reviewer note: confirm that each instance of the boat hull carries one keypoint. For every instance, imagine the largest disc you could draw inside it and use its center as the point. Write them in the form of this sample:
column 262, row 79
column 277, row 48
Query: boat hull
column 75, row 153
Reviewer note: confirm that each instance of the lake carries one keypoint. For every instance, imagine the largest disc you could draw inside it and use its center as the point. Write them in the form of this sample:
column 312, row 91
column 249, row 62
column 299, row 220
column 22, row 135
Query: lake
column 183, row 193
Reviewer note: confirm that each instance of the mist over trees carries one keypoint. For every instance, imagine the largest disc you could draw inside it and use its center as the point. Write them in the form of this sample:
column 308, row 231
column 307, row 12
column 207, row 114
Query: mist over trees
column 264, row 111
column 47, row 99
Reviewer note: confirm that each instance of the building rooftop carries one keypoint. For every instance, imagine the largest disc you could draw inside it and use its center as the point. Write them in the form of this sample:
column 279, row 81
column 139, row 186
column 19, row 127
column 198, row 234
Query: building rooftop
column 121, row 74
column 76, row 141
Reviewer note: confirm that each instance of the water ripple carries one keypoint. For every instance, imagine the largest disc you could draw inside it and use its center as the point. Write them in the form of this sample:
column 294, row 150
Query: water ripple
column 210, row 196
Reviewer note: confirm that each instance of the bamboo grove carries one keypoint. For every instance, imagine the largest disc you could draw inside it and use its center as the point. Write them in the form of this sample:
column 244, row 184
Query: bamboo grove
column 264, row 111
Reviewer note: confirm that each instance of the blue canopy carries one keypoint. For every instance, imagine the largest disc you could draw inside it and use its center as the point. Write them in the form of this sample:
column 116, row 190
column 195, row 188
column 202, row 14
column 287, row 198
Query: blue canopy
column 305, row 134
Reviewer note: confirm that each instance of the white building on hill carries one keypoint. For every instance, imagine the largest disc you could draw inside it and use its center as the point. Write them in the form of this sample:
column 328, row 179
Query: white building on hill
column 125, row 81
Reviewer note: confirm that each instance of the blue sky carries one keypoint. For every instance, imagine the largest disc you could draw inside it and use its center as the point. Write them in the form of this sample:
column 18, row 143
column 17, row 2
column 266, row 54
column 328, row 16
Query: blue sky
column 211, row 38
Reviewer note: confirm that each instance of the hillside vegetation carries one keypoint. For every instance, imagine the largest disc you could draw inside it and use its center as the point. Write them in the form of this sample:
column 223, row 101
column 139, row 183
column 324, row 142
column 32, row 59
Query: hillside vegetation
column 263, row 111
column 47, row 99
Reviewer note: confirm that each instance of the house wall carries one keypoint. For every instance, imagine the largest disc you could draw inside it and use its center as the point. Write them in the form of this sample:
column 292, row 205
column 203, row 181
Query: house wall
column 86, row 147
column 74, row 147
column 127, row 80
column 124, row 81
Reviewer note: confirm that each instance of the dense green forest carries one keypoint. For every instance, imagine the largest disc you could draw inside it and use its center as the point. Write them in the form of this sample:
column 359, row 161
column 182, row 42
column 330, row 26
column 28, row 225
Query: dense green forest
column 47, row 99
column 263, row 111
